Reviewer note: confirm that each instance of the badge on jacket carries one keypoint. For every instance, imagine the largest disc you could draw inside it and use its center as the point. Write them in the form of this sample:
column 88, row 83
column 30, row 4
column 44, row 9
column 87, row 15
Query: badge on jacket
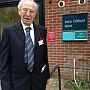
column 41, row 41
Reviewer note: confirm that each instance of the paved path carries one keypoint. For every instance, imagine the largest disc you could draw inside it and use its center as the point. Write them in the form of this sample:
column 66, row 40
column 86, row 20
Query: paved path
column 53, row 85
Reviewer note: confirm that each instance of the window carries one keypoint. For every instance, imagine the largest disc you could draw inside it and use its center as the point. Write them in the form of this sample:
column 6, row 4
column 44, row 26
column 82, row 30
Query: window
column 9, row 15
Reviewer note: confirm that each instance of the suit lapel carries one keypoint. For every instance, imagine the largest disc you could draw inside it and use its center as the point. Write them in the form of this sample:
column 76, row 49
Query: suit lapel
column 20, row 31
column 37, row 32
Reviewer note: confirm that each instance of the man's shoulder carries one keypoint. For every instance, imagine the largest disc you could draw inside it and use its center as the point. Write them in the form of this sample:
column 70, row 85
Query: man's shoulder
column 12, row 26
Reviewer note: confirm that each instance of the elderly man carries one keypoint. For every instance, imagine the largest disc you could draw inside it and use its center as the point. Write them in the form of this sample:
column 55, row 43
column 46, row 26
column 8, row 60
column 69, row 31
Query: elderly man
column 23, row 59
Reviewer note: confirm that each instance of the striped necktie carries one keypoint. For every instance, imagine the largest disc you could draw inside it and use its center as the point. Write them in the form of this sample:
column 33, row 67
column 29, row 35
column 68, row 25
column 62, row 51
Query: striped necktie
column 29, row 50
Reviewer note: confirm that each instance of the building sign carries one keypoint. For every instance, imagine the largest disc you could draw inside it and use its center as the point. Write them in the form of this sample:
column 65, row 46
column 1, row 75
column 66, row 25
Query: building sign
column 81, row 35
column 51, row 36
column 75, row 27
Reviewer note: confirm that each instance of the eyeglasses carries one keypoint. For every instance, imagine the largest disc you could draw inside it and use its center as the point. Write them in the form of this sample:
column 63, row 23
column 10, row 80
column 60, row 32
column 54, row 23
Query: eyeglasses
column 30, row 11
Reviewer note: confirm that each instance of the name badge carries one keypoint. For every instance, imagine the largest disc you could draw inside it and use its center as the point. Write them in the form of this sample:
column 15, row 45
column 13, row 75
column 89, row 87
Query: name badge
column 41, row 42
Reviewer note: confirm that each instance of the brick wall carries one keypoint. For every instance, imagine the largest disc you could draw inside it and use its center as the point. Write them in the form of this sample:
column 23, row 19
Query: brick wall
column 60, row 52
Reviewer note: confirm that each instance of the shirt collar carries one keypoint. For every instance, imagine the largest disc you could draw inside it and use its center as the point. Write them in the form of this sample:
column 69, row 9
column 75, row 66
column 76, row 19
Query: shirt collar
column 25, row 26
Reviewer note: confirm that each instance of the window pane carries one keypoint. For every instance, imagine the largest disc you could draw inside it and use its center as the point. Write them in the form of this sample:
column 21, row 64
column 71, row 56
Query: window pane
column 9, row 15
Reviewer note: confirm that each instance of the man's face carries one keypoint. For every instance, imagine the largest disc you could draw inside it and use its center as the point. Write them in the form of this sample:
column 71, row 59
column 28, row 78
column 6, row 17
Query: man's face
column 27, row 12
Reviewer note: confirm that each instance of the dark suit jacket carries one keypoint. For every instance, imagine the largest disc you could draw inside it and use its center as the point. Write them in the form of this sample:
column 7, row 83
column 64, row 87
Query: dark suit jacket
column 13, row 70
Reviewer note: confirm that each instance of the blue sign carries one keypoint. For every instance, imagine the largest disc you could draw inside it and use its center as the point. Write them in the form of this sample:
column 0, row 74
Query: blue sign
column 74, row 22
column 81, row 35
column 70, row 36
column 75, row 27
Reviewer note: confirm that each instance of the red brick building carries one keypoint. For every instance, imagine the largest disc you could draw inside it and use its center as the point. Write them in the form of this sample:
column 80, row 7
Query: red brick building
column 60, row 52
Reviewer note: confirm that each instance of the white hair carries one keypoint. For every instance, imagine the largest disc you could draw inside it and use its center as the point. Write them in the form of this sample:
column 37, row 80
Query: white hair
column 21, row 2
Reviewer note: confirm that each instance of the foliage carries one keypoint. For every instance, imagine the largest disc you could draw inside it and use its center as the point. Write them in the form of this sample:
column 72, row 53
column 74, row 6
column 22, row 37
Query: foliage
column 9, row 15
column 80, row 85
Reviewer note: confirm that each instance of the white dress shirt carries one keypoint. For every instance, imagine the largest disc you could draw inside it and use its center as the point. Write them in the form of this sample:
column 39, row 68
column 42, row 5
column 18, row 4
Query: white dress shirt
column 31, row 31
